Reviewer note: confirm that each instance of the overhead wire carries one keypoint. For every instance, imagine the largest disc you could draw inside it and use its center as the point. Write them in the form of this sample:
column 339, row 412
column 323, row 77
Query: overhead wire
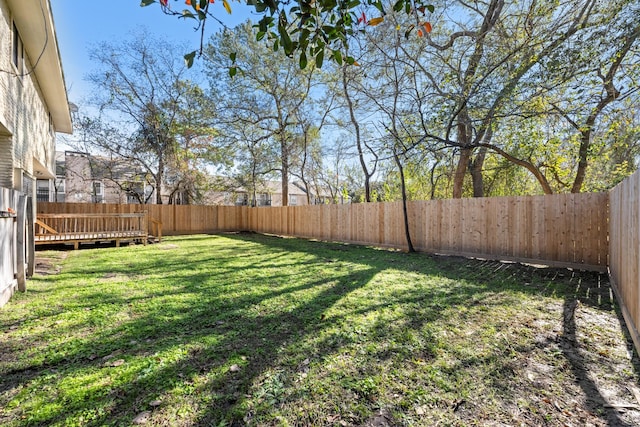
column 44, row 47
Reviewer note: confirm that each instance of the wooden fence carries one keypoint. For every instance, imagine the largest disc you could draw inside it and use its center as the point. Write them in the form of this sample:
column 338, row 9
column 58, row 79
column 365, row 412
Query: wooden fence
column 624, row 251
column 592, row 231
column 562, row 230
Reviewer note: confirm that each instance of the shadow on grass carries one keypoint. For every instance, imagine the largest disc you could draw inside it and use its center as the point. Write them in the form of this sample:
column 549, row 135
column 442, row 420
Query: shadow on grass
column 571, row 350
column 236, row 329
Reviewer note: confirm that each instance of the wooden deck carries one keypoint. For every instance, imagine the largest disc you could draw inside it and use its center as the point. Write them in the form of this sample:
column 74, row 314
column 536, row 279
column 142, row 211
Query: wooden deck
column 92, row 228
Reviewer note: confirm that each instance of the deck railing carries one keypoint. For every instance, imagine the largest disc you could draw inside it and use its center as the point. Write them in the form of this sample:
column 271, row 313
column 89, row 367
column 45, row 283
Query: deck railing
column 78, row 228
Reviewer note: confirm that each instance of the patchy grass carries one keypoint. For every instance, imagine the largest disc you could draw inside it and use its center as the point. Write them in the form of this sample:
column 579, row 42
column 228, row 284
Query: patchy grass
column 258, row 330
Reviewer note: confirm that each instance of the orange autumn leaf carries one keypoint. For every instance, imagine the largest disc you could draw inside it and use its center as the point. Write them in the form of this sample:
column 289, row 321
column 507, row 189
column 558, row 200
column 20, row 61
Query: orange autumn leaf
column 420, row 33
column 375, row 21
column 427, row 27
column 226, row 6
column 187, row 2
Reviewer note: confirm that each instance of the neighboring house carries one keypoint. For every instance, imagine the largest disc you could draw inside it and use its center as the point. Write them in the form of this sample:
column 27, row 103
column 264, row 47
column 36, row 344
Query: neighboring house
column 84, row 178
column 318, row 196
column 33, row 107
column 268, row 193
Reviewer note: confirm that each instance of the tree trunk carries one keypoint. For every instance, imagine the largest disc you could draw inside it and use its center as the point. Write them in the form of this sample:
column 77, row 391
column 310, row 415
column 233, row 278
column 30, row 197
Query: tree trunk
column 367, row 188
column 461, row 170
column 356, row 128
column 307, row 189
column 405, row 211
column 463, row 129
column 585, row 142
column 285, row 172
column 475, row 169
column 158, row 188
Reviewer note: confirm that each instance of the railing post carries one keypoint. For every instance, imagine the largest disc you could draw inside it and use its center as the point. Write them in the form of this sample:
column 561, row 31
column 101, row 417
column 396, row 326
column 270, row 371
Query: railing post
column 143, row 228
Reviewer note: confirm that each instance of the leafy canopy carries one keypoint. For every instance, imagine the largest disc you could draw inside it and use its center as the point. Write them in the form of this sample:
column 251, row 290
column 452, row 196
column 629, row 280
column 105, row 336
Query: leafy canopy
column 307, row 28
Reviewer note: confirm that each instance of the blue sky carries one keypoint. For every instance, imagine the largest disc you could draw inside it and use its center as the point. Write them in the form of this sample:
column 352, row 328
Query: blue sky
column 79, row 25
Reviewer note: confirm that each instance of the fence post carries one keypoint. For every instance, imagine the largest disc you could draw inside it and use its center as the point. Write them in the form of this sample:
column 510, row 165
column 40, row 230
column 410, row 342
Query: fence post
column 143, row 227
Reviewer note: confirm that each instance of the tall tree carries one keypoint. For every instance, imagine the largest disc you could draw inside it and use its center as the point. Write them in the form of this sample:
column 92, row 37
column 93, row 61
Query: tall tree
column 140, row 89
column 198, row 146
column 606, row 71
column 266, row 94
column 478, row 62
column 570, row 91
column 368, row 157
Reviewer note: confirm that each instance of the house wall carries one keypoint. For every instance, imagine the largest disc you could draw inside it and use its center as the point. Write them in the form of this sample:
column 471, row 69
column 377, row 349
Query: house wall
column 26, row 133
column 113, row 193
column 8, row 282
column 294, row 199
column 79, row 179
column 229, row 198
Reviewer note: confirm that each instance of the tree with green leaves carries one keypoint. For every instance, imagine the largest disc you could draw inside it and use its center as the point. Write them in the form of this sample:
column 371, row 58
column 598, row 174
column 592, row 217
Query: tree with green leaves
column 563, row 101
column 309, row 29
column 612, row 77
column 149, row 113
column 267, row 94
column 198, row 146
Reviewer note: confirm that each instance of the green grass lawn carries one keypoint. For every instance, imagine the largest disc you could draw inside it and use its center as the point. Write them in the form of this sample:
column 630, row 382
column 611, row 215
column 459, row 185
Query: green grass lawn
column 255, row 330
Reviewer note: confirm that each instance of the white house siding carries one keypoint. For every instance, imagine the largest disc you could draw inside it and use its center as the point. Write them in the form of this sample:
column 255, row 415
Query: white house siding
column 29, row 98
column 23, row 115
column 8, row 281
column 5, row 62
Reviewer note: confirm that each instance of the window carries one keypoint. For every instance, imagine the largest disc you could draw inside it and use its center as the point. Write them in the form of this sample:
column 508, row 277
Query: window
column 264, row 199
column 28, row 185
column 98, row 192
column 60, row 169
column 135, row 192
column 59, row 189
column 18, row 51
column 242, row 199
column 293, row 200
column 42, row 190
column 60, row 185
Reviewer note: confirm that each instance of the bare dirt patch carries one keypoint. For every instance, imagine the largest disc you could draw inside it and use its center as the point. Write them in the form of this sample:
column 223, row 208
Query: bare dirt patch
column 48, row 262
column 167, row 246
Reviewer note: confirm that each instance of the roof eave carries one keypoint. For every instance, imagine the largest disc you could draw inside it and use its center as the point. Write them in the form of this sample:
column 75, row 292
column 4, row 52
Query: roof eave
column 34, row 21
